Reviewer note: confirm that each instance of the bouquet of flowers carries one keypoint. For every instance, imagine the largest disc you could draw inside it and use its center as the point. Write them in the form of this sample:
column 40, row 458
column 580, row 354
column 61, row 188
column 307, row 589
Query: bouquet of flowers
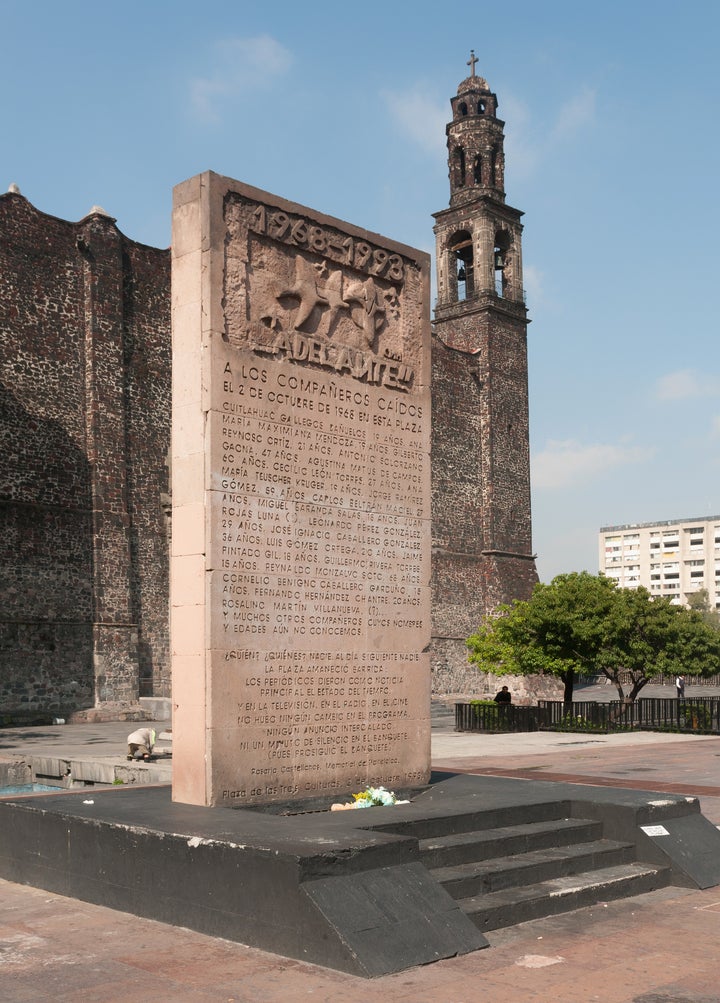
column 374, row 796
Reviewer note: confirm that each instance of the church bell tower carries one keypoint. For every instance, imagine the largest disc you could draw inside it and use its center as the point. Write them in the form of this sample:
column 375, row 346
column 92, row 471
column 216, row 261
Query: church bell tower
column 481, row 519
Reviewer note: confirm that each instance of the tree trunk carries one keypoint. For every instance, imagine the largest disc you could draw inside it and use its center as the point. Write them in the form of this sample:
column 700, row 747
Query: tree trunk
column 614, row 678
column 637, row 686
column 568, row 679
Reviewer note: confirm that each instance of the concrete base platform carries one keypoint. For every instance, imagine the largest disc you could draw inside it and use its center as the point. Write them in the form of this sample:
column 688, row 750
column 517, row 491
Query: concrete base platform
column 70, row 772
column 345, row 890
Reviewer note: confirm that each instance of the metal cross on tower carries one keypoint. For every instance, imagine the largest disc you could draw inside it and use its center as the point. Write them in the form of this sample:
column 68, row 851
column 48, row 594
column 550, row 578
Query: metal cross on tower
column 471, row 62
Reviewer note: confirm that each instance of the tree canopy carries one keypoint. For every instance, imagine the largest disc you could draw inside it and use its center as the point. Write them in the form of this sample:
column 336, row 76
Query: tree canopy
column 582, row 624
column 700, row 601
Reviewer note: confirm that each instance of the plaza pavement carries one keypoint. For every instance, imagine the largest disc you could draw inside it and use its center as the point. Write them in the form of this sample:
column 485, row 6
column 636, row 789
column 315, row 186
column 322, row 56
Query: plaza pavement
column 661, row 947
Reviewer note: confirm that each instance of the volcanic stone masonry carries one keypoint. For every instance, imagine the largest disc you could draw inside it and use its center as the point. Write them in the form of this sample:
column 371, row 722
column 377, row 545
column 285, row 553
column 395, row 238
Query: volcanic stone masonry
column 84, row 479
column 85, row 386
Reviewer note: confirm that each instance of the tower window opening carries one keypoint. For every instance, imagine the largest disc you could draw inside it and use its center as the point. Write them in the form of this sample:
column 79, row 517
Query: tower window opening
column 481, row 108
column 465, row 267
column 499, row 273
column 500, row 263
column 463, row 108
column 493, row 166
column 477, row 170
column 460, row 166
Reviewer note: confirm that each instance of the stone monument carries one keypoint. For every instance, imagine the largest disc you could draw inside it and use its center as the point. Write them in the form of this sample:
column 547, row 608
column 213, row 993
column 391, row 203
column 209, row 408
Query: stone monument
column 300, row 602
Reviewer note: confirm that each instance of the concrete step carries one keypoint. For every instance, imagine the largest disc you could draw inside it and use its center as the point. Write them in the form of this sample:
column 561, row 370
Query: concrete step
column 511, row 906
column 57, row 771
column 436, row 826
column 462, row 847
column 482, row 877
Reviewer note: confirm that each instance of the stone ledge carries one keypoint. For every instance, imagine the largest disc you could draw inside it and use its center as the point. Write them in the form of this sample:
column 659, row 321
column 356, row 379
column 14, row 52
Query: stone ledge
column 110, row 712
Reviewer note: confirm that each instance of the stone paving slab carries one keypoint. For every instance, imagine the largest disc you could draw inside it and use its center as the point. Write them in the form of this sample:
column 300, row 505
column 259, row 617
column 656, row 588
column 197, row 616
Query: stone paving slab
column 673, row 764
column 80, row 754
column 106, row 739
column 657, row 948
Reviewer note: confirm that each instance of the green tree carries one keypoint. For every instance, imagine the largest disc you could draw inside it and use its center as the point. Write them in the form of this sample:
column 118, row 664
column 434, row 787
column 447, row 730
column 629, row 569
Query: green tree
column 582, row 624
column 559, row 631
column 700, row 601
column 651, row 637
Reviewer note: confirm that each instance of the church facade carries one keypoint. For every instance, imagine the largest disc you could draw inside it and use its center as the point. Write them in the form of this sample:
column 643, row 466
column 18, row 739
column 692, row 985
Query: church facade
column 85, row 363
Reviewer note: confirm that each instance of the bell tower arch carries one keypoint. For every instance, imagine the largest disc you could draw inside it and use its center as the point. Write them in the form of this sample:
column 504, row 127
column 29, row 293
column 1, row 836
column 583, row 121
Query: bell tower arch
column 481, row 515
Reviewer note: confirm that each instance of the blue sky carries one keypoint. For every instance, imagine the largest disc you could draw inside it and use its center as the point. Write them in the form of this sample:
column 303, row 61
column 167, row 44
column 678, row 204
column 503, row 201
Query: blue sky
column 612, row 152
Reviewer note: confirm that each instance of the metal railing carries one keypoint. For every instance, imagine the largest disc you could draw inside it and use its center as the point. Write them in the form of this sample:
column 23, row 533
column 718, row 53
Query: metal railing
column 583, row 715
column 497, row 717
column 659, row 680
column 698, row 715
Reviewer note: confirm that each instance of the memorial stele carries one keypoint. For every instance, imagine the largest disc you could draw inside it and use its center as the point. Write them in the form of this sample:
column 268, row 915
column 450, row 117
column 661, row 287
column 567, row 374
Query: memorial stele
column 300, row 598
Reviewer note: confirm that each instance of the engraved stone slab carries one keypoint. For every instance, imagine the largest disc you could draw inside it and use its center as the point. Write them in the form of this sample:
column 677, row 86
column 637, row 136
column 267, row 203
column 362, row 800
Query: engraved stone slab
column 301, row 494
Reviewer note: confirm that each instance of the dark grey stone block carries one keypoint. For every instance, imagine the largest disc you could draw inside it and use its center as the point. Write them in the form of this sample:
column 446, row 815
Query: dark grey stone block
column 394, row 918
column 347, row 889
column 691, row 848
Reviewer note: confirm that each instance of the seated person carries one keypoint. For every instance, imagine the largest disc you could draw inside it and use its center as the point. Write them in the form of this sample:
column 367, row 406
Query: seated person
column 503, row 696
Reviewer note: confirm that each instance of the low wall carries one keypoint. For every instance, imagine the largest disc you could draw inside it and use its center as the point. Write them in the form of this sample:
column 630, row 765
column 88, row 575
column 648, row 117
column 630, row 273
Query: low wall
column 453, row 677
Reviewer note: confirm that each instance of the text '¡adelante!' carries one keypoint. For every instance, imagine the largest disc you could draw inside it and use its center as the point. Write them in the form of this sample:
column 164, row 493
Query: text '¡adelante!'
column 360, row 365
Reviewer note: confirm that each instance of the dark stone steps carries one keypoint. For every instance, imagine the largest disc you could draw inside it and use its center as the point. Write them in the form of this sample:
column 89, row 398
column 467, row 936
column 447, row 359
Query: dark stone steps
column 522, row 869
column 533, row 861
column 511, row 906
column 440, row 823
column 463, row 847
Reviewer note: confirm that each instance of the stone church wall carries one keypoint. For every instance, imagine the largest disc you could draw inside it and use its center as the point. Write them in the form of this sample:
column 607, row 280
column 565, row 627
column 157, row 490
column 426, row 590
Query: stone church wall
column 480, row 509
column 84, row 422
column 84, row 479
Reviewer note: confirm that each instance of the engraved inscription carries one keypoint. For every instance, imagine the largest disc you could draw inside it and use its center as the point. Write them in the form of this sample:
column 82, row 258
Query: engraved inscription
column 301, row 232
column 360, row 365
column 317, row 490
column 319, row 557
column 306, row 291
column 301, row 545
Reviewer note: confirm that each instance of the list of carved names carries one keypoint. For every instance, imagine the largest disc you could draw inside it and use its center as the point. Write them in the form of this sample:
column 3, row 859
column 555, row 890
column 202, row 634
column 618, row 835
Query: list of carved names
column 319, row 558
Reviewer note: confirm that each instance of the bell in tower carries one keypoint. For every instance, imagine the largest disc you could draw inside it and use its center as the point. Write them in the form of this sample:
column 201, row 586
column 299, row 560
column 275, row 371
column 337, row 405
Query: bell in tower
column 481, row 517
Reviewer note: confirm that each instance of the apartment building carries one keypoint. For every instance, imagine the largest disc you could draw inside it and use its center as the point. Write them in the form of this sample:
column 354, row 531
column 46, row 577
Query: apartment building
column 672, row 559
